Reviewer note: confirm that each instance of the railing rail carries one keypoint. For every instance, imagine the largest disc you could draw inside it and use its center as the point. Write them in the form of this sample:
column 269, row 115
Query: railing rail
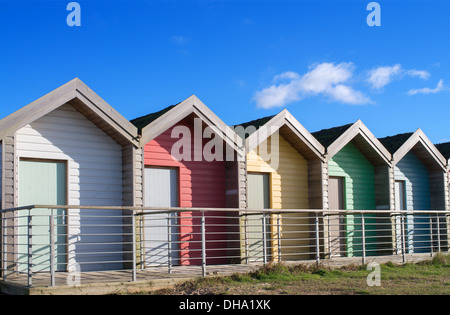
column 53, row 239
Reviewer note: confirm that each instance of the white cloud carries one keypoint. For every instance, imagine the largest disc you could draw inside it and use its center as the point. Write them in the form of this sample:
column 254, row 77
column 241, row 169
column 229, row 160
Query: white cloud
column 347, row 95
column 382, row 76
column 440, row 87
column 419, row 73
column 325, row 79
column 286, row 75
column 278, row 95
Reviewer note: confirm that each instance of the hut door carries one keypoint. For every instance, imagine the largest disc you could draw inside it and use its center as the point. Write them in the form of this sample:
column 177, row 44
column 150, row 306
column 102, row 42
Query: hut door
column 258, row 198
column 43, row 182
column 336, row 222
column 160, row 230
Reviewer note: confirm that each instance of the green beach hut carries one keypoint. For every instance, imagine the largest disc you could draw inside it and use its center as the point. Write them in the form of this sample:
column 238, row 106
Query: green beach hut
column 356, row 177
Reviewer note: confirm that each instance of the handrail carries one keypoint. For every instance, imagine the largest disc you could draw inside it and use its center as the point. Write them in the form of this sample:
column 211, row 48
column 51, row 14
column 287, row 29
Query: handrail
column 242, row 210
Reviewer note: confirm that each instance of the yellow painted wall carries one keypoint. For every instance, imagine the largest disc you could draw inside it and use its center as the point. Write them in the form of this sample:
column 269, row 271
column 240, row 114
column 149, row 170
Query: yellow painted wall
column 289, row 190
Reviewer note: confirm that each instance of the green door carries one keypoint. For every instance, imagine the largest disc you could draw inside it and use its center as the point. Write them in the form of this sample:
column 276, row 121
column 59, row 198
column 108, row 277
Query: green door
column 258, row 198
column 42, row 183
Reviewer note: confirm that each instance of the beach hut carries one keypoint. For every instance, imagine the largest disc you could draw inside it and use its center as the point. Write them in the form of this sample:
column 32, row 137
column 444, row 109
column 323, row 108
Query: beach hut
column 420, row 184
column 356, row 178
column 69, row 147
column 284, row 167
column 191, row 160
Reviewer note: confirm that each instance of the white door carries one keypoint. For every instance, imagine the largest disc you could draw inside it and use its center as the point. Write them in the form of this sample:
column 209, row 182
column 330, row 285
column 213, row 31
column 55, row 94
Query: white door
column 160, row 230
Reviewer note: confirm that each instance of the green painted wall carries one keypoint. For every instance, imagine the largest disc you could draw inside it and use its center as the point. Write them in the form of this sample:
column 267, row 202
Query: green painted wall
column 359, row 182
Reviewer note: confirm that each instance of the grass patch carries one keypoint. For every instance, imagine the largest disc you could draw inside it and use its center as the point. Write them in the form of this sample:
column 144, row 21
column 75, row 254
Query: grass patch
column 428, row 277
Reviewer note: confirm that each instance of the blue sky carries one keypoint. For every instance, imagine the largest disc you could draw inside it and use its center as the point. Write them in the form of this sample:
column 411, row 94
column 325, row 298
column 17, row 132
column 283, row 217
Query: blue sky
column 244, row 59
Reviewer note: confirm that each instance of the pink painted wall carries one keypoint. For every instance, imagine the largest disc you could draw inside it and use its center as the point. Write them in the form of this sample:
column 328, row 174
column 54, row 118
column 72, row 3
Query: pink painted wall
column 202, row 185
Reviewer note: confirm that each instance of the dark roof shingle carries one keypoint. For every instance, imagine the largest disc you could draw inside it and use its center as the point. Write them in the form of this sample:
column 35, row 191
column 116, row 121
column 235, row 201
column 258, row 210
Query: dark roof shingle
column 393, row 143
column 257, row 123
column 143, row 121
column 444, row 148
column 327, row 136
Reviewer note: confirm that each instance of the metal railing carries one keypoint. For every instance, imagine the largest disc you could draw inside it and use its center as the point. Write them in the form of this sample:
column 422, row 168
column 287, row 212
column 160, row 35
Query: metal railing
column 45, row 242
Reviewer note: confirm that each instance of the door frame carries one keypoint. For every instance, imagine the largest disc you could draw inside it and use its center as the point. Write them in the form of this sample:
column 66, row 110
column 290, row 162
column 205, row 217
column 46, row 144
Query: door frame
column 66, row 198
column 177, row 168
column 341, row 218
column 399, row 228
column 270, row 186
column 269, row 229
column 404, row 201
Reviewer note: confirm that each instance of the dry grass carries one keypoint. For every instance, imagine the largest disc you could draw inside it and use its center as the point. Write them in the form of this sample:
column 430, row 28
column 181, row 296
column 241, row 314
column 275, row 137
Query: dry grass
column 424, row 278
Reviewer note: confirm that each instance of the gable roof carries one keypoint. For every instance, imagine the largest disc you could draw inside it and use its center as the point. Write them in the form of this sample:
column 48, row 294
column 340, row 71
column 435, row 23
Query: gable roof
column 154, row 124
column 83, row 99
column 419, row 143
column 289, row 128
column 334, row 139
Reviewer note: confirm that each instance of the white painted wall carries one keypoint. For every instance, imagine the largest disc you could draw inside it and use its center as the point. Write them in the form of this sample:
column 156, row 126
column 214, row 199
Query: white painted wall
column 95, row 179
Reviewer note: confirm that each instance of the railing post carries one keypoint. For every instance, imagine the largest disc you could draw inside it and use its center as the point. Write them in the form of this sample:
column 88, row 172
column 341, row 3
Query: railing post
column 246, row 238
column 30, row 249
column 403, row 240
column 169, row 245
column 447, row 231
column 264, row 238
column 141, row 241
column 133, row 241
column 438, row 232
column 3, row 246
column 363, row 227
column 317, row 238
column 279, row 236
column 396, row 233
column 203, row 245
column 431, row 236
column 52, row 248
